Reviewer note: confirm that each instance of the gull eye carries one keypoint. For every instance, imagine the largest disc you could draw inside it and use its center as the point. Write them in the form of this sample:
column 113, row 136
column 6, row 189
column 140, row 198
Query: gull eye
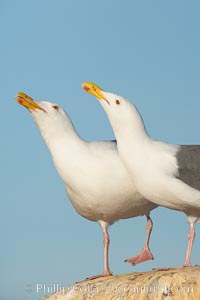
column 56, row 107
column 117, row 102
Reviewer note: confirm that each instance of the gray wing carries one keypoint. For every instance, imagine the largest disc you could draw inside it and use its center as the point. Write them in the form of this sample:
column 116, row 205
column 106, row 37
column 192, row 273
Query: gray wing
column 188, row 158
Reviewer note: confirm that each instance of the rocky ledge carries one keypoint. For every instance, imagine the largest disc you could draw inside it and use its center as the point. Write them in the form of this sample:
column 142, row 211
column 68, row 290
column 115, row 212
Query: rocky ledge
column 176, row 284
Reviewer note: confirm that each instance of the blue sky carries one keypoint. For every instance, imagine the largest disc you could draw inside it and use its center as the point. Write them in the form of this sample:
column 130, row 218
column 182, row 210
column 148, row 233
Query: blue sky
column 147, row 51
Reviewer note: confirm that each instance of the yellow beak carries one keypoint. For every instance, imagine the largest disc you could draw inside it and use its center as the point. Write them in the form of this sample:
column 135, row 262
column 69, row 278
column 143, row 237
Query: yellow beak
column 95, row 90
column 28, row 102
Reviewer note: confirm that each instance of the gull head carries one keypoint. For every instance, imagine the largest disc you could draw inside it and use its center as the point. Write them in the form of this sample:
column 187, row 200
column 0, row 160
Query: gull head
column 49, row 117
column 110, row 102
column 117, row 107
column 122, row 114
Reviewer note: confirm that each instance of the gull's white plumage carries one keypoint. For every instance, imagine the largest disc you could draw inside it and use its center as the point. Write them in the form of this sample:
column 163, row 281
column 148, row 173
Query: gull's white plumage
column 152, row 165
column 96, row 180
column 97, row 183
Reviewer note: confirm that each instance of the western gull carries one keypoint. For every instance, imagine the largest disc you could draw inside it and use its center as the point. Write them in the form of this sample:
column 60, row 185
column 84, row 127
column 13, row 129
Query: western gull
column 166, row 174
column 97, row 183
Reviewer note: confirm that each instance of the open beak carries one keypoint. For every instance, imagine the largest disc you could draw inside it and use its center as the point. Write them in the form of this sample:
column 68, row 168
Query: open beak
column 95, row 90
column 28, row 102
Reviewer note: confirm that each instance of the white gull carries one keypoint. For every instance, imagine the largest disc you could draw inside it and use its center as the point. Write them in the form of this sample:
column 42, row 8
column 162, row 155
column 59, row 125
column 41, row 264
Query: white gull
column 166, row 174
column 97, row 183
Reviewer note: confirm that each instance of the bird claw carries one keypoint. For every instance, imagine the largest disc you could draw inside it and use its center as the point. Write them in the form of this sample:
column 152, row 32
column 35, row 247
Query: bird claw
column 144, row 255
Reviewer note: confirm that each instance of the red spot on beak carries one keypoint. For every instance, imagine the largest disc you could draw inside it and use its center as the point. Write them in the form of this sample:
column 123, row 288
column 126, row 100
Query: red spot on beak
column 20, row 101
column 86, row 88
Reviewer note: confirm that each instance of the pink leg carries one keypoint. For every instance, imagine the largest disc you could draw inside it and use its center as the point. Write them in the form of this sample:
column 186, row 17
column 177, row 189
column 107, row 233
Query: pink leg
column 145, row 253
column 106, row 242
column 191, row 237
